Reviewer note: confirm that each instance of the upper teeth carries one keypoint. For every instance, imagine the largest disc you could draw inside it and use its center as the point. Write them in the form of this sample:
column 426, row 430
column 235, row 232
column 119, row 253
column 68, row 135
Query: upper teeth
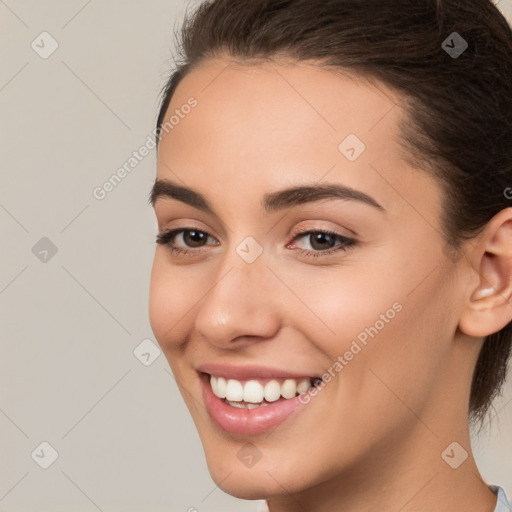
column 254, row 392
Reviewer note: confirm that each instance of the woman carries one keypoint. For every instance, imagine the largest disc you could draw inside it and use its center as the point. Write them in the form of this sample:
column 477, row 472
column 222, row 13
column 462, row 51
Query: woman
column 333, row 275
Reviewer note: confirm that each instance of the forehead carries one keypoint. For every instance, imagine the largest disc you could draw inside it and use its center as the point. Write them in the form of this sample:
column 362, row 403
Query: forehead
column 264, row 98
column 259, row 127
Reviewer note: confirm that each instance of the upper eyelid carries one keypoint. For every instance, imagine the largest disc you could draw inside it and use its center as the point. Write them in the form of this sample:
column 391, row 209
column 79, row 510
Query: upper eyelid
column 305, row 207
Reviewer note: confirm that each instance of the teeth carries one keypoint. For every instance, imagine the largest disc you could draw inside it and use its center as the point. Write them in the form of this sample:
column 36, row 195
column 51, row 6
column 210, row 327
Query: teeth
column 272, row 391
column 253, row 392
column 303, row 386
column 289, row 388
column 243, row 405
column 214, row 385
column 218, row 386
column 221, row 387
column 234, row 391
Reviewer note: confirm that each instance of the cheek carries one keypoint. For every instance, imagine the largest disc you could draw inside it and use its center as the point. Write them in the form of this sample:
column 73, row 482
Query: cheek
column 371, row 294
column 341, row 304
column 393, row 319
column 402, row 360
column 169, row 301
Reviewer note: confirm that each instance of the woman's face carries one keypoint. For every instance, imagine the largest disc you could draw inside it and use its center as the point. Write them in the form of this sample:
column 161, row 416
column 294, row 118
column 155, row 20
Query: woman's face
column 372, row 308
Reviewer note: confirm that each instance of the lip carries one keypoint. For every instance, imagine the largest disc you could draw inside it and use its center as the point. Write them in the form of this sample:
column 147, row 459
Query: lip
column 246, row 422
column 249, row 372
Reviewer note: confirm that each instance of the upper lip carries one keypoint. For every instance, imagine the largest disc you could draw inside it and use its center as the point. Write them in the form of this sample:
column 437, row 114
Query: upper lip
column 247, row 372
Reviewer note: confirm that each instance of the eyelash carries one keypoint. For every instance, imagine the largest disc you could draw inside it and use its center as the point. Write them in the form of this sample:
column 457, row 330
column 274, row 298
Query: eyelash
column 166, row 238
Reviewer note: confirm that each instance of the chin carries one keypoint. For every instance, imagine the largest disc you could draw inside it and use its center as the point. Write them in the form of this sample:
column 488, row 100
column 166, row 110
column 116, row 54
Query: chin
column 247, row 488
column 275, row 473
column 249, row 483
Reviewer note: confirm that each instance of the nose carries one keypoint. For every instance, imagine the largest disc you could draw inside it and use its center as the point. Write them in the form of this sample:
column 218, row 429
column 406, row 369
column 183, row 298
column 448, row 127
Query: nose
column 243, row 304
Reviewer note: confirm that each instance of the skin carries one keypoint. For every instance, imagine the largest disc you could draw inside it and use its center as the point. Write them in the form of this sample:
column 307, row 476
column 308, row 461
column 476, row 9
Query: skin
column 372, row 438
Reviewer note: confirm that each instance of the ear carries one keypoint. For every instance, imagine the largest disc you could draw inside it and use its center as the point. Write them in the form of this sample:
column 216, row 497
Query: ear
column 489, row 307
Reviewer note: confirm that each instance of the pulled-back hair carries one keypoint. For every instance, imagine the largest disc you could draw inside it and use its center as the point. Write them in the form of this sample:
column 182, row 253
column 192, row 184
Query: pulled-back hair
column 458, row 125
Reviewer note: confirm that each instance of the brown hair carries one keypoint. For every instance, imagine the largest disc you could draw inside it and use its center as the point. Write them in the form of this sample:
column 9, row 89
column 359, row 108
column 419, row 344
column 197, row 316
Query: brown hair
column 459, row 108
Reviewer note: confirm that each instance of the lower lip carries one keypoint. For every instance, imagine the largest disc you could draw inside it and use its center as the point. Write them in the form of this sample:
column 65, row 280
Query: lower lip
column 246, row 421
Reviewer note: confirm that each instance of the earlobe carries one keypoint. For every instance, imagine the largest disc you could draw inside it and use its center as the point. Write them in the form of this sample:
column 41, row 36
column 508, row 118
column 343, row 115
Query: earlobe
column 489, row 307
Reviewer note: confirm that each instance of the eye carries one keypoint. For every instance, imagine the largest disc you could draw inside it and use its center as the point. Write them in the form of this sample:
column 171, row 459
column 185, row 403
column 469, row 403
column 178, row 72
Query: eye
column 323, row 242
column 193, row 236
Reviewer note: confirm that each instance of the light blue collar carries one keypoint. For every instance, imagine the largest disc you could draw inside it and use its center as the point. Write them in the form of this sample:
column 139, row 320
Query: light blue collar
column 503, row 504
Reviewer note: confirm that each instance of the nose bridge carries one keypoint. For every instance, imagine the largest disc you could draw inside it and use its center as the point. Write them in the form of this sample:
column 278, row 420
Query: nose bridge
column 238, row 302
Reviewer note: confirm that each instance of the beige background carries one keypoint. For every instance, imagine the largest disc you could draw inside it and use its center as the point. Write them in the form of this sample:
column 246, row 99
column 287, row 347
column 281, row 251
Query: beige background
column 70, row 323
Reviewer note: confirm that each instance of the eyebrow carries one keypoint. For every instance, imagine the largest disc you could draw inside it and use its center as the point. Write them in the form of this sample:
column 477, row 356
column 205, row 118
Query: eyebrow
column 271, row 202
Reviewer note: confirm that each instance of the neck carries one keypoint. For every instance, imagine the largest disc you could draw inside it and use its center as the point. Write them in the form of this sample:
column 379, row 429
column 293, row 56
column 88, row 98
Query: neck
column 415, row 475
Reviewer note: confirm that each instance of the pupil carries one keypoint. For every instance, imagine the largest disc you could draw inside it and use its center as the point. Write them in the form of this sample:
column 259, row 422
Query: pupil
column 318, row 238
column 196, row 236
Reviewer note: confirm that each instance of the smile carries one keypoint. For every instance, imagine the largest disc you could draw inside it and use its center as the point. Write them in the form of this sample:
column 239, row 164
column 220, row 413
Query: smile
column 251, row 402
column 256, row 393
